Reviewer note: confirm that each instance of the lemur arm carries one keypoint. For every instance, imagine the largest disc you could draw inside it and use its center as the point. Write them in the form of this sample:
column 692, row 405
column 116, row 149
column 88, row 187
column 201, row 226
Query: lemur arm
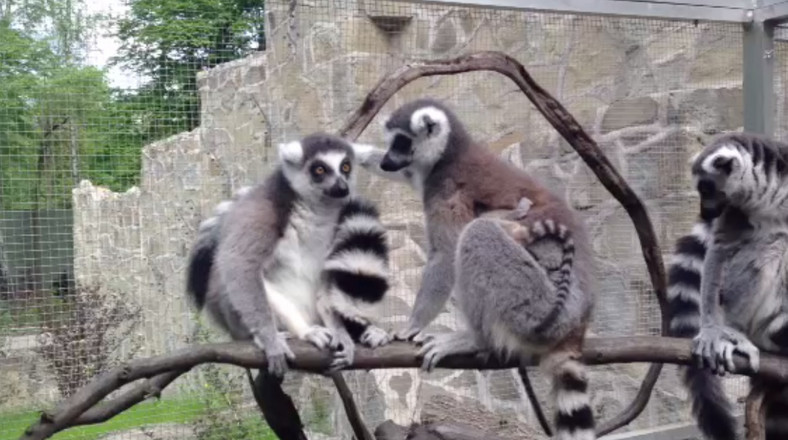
column 716, row 342
column 247, row 245
column 445, row 220
column 370, row 157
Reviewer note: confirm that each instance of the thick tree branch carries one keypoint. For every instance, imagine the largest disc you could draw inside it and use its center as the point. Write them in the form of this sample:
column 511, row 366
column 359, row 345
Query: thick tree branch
column 597, row 351
column 149, row 388
column 531, row 393
column 754, row 415
column 360, row 430
column 584, row 145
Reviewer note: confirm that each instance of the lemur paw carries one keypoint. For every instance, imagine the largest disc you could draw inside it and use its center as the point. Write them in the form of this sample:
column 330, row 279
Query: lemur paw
column 322, row 337
column 434, row 349
column 523, row 206
column 412, row 333
column 714, row 348
column 374, row 337
column 277, row 352
column 344, row 355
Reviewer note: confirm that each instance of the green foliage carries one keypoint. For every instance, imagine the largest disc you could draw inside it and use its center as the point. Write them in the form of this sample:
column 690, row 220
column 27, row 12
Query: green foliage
column 59, row 120
column 185, row 410
column 169, row 41
column 52, row 110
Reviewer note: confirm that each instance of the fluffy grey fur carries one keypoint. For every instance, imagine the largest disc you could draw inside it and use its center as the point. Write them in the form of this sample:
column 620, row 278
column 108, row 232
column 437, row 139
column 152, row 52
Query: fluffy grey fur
column 744, row 284
column 527, row 235
column 257, row 265
column 505, row 294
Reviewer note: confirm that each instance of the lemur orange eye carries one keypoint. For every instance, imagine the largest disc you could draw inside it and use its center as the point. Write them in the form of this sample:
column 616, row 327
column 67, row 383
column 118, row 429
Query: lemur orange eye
column 320, row 170
column 345, row 167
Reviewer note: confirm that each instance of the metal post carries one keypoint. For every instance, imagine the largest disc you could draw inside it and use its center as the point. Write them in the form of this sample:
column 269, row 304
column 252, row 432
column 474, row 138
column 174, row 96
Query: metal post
column 758, row 72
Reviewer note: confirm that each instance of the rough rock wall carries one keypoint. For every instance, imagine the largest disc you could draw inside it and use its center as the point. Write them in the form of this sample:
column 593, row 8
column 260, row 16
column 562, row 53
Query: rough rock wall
column 649, row 92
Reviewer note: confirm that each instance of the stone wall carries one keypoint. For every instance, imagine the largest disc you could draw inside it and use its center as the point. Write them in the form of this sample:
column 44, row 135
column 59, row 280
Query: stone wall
column 648, row 91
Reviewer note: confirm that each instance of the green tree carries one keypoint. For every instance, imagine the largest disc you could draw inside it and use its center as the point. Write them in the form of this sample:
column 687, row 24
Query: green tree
column 169, row 41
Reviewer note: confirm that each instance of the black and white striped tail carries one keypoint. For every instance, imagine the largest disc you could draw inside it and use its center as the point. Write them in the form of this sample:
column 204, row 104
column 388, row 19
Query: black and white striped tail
column 710, row 406
column 202, row 253
column 357, row 267
column 549, row 228
column 574, row 418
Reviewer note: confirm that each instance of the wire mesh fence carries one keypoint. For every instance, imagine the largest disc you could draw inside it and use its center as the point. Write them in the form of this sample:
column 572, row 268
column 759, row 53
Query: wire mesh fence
column 121, row 127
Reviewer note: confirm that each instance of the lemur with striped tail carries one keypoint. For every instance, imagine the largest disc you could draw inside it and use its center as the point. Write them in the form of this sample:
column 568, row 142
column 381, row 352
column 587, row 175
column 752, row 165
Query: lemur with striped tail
column 728, row 279
column 510, row 302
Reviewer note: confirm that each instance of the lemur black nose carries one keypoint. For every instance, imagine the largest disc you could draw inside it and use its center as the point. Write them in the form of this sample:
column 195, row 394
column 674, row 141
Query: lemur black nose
column 707, row 188
column 391, row 163
column 339, row 189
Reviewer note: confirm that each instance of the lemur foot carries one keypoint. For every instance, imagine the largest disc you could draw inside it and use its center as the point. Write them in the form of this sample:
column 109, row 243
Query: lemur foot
column 438, row 347
column 374, row 337
column 344, row 354
column 322, row 337
column 277, row 352
column 715, row 346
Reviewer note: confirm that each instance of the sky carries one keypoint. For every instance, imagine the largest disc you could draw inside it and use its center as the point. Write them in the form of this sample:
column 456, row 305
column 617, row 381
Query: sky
column 104, row 46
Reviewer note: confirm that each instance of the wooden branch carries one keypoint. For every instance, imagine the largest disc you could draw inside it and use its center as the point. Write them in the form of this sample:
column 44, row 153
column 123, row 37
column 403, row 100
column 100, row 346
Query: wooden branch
column 754, row 414
column 149, row 388
column 636, row 406
column 584, row 145
column 531, row 393
column 351, row 411
column 597, row 351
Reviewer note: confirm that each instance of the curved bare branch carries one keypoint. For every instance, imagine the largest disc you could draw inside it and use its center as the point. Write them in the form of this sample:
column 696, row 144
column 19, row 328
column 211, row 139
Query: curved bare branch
column 79, row 408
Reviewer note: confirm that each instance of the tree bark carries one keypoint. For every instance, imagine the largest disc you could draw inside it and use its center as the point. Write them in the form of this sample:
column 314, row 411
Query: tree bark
column 597, row 351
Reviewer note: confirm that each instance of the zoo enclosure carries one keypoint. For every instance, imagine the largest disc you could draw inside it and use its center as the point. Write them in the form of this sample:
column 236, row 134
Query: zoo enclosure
column 649, row 80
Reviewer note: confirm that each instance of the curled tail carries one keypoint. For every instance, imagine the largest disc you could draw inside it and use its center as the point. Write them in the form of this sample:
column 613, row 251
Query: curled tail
column 550, row 228
column 574, row 418
column 356, row 268
column 198, row 272
column 710, row 406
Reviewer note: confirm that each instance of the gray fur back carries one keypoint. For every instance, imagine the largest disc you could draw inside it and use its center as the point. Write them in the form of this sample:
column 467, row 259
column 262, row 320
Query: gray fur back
column 500, row 282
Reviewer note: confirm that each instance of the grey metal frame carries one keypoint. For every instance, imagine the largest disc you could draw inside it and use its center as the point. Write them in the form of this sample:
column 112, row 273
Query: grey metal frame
column 737, row 11
column 758, row 18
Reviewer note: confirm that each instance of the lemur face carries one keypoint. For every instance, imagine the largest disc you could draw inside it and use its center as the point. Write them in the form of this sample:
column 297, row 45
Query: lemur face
column 711, row 170
column 416, row 135
column 320, row 167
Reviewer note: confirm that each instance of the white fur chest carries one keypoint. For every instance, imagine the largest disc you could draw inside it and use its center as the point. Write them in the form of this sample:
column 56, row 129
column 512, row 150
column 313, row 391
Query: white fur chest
column 299, row 258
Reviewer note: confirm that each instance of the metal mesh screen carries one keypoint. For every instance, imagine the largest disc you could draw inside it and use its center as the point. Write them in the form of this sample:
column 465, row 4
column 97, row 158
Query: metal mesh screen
column 122, row 125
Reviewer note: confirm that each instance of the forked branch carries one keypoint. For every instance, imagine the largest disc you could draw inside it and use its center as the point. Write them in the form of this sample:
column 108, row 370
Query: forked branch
column 584, row 145
column 82, row 407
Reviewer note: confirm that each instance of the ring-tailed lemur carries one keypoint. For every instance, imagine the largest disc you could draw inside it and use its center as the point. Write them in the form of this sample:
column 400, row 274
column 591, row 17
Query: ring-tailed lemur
column 258, row 264
column 728, row 281
column 527, row 231
column 506, row 296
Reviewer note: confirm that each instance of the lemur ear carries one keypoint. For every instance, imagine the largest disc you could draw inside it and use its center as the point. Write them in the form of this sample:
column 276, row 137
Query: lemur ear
column 291, row 152
column 428, row 120
column 429, row 124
